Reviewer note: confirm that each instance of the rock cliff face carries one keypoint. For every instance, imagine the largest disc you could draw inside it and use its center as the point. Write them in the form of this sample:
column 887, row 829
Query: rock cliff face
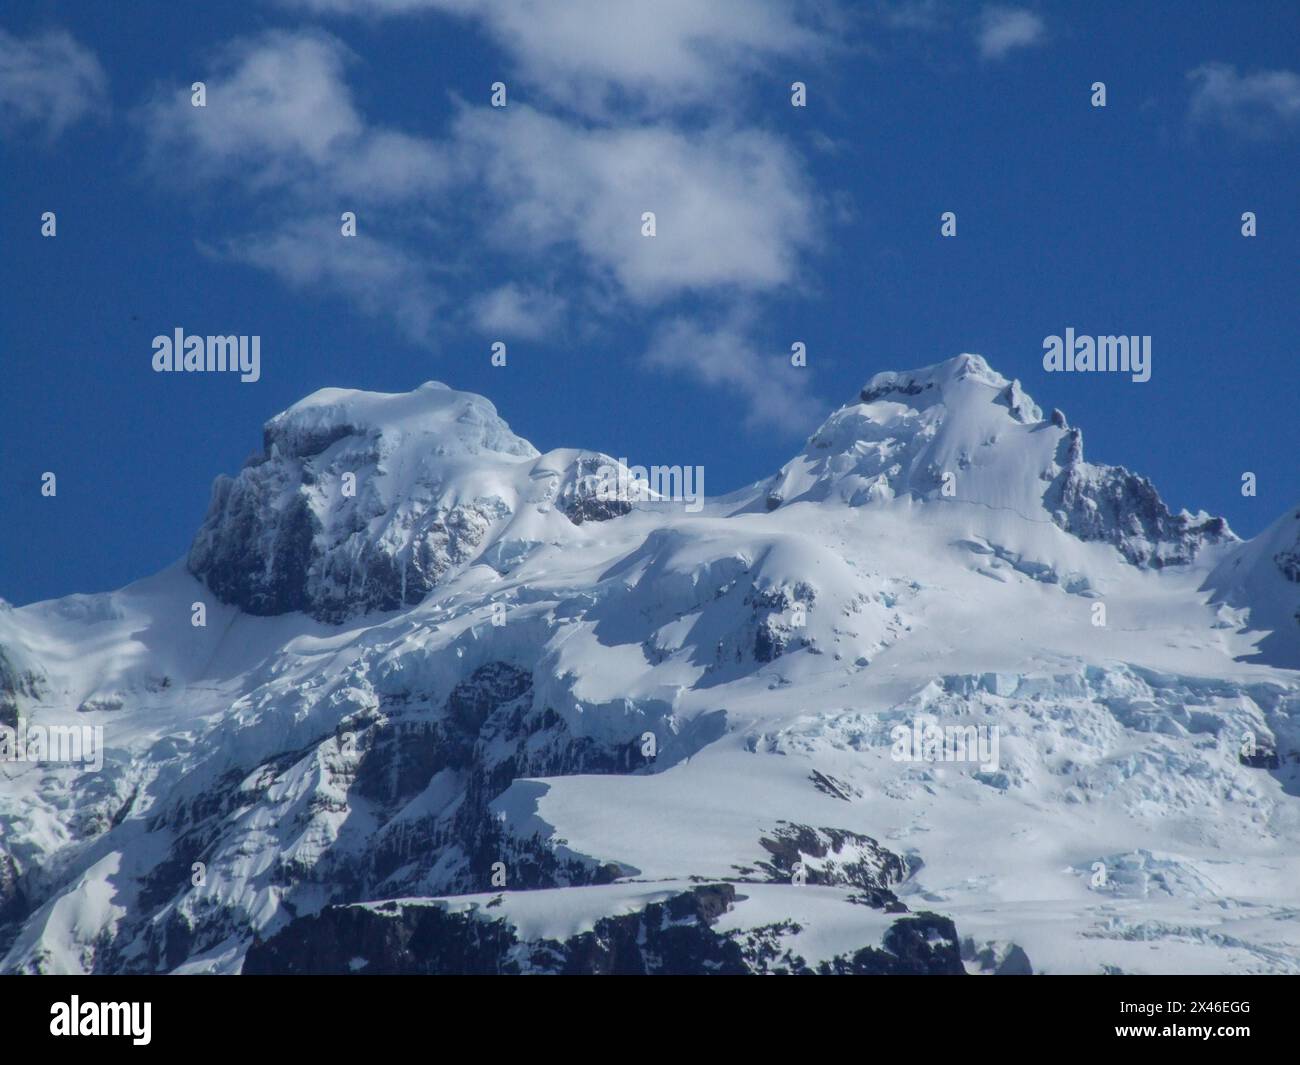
column 18, row 683
column 362, row 502
column 1109, row 504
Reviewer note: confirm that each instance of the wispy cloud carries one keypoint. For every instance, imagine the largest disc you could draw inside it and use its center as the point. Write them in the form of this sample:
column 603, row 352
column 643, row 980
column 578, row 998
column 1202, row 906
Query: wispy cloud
column 591, row 55
column 49, row 81
column 726, row 354
column 1254, row 105
column 923, row 15
column 513, row 310
column 382, row 279
column 1001, row 30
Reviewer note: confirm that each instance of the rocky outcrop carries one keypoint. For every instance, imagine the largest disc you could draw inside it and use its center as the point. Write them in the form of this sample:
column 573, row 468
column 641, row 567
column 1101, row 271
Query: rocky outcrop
column 673, row 937
column 13, row 902
column 589, row 491
column 272, row 544
column 832, row 857
column 1109, row 504
column 17, row 683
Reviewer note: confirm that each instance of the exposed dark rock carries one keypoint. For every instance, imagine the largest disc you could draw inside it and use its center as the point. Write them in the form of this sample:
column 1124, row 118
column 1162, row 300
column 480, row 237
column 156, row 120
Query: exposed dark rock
column 674, row 937
column 1263, row 757
column 997, row 959
column 13, row 901
column 775, row 626
column 15, row 684
column 924, row 944
column 833, row 786
column 1016, row 963
column 1288, row 562
column 262, row 570
column 483, row 737
column 902, row 387
column 834, row 857
column 585, row 494
column 1109, row 504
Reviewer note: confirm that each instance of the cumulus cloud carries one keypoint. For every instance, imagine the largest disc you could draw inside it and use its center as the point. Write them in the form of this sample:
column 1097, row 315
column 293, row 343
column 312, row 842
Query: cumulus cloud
column 516, row 193
column 732, row 208
column 279, row 113
column 50, row 81
column 1256, row 105
column 1001, row 30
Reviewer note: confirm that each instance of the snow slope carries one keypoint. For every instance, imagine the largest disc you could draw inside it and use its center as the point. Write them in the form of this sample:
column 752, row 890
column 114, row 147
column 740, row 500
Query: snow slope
column 477, row 687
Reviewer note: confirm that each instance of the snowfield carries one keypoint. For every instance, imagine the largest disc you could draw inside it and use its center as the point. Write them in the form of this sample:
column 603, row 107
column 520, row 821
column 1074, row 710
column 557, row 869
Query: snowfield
column 473, row 716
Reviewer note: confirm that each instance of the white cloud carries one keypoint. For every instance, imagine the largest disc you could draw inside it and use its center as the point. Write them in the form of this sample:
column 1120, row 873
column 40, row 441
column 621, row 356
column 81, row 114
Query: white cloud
column 1001, row 30
column 725, row 355
column 512, row 193
column 381, row 279
column 279, row 113
column 589, row 54
column 512, row 310
column 276, row 108
column 1252, row 104
column 732, row 208
column 49, row 80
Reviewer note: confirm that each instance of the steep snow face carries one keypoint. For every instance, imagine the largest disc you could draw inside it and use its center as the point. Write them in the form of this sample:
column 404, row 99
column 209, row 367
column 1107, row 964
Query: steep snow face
column 1262, row 578
column 364, row 501
column 583, row 721
column 958, row 431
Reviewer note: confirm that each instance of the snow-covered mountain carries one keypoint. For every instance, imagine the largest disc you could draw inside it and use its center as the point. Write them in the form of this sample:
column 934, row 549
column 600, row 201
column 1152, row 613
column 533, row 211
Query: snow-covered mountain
column 455, row 709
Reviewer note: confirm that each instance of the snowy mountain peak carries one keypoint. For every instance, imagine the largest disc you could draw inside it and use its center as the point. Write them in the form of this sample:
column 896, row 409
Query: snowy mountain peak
column 929, row 384
column 962, row 379
column 957, row 429
column 959, row 432
column 451, row 422
column 365, row 501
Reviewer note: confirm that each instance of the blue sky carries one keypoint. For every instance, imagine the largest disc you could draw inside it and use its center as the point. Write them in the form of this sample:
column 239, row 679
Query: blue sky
column 775, row 224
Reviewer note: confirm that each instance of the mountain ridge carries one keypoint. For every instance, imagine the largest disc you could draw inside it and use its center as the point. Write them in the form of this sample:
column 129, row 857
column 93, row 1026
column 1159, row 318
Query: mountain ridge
column 917, row 433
